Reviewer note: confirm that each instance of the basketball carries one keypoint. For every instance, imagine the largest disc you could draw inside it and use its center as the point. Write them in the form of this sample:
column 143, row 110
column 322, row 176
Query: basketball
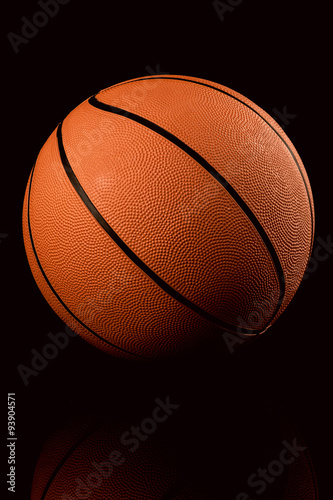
column 166, row 210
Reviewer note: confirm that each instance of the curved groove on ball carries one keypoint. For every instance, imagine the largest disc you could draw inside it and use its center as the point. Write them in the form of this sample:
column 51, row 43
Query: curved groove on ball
column 56, row 294
column 63, row 461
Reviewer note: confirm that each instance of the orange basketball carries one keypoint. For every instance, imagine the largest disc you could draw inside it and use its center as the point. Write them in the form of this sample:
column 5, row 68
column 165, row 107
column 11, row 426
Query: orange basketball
column 166, row 209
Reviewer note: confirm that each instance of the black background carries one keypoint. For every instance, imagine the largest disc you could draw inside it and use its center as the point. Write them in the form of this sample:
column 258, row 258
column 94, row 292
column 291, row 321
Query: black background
column 275, row 53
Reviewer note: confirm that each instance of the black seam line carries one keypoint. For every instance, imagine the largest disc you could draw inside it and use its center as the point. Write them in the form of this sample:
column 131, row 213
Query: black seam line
column 56, row 294
column 211, row 170
column 127, row 250
column 252, row 109
column 64, row 460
